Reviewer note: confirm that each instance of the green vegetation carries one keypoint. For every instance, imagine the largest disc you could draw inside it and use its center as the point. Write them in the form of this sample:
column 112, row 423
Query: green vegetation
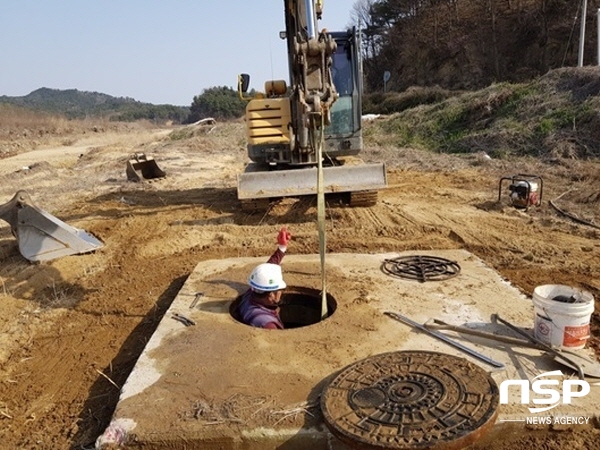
column 217, row 102
column 74, row 104
column 156, row 113
column 556, row 115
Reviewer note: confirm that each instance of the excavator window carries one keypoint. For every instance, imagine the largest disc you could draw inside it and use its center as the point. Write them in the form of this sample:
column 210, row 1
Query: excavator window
column 343, row 110
column 342, row 72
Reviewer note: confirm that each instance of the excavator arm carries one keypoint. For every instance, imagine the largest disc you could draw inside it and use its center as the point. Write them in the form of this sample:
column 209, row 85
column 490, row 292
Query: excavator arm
column 310, row 62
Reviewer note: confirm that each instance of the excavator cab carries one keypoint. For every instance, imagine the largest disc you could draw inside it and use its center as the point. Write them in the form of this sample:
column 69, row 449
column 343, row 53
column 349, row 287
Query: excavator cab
column 40, row 235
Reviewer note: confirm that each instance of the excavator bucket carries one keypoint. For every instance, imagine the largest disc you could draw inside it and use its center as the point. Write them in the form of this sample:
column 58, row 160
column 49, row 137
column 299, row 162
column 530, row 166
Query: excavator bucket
column 40, row 235
column 255, row 184
column 141, row 167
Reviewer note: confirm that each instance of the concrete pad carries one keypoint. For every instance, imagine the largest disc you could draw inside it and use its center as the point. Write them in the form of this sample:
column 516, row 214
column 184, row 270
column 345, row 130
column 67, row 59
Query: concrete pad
column 221, row 384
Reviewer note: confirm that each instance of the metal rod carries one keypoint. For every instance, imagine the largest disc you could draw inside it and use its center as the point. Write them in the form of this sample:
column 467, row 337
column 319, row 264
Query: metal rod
column 582, row 34
column 441, row 325
column 446, row 339
column 311, row 26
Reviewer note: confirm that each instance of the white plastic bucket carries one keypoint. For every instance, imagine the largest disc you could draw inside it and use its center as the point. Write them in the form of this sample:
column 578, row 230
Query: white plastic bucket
column 562, row 315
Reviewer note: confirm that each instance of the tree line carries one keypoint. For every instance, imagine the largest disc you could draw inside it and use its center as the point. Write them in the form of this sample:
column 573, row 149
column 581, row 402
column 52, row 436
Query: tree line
column 469, row 44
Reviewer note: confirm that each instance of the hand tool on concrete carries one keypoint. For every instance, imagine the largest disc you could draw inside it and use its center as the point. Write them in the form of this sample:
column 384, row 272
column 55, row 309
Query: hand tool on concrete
column 184, row 320
column 583, row 366
column 446, row 339
column 436, row 324
column 196, row 298
column 590, row 368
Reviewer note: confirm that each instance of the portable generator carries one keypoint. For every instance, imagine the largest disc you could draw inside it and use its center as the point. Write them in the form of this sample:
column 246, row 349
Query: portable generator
column 524, row 190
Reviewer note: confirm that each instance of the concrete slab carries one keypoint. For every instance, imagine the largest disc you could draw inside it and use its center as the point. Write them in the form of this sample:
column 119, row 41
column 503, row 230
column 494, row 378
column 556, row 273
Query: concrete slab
column 221, row 384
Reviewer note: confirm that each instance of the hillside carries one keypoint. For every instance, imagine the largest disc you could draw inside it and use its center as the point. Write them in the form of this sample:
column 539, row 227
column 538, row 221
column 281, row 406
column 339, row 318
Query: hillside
column 75, row 104
column 554, row 115
column 470, row 44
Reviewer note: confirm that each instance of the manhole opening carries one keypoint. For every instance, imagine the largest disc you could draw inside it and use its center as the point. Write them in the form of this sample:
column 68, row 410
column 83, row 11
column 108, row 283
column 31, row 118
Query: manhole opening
column 299, row 307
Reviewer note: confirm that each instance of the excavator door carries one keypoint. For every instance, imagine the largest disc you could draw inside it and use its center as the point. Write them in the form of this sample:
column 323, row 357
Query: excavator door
column 40, row 235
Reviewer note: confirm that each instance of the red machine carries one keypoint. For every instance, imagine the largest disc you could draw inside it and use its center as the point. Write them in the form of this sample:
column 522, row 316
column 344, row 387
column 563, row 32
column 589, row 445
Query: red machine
column 525, row 190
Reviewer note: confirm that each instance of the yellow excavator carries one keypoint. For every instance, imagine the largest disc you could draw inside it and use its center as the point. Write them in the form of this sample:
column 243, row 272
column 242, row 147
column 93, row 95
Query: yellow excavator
column 321, row 106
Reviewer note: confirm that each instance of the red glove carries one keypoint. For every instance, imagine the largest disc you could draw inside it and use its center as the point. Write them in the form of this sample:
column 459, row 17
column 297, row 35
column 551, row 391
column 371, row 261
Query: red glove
column 283, row 237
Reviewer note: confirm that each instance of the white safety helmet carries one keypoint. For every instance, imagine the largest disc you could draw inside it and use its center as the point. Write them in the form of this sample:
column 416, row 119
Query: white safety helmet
column 266, row 277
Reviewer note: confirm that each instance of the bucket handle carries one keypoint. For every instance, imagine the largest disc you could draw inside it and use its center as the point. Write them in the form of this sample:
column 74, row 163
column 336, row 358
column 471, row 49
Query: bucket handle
column 564, row 331
column 547, row 317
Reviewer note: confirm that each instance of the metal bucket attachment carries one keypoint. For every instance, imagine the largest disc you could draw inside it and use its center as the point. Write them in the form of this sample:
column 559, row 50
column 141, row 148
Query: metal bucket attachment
column 296, row 182
column 40, row 235
column 141, row 167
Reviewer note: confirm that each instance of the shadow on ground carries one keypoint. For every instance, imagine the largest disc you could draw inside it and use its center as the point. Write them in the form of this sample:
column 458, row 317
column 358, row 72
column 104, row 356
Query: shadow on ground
column 99, row 407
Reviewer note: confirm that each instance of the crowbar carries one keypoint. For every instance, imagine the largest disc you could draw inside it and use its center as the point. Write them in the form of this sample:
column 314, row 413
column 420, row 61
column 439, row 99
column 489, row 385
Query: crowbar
column 446, row 339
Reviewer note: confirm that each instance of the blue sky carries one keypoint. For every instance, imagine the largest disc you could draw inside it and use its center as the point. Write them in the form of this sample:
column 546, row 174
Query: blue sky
column 153, row 51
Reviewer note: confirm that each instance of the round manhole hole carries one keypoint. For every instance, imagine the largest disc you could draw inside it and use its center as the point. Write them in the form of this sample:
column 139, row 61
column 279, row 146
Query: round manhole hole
column 299, row 307
column 421, row 268
column 411, row 400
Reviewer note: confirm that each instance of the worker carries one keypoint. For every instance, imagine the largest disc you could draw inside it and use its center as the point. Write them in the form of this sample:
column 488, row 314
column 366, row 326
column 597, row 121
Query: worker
column 259, row 306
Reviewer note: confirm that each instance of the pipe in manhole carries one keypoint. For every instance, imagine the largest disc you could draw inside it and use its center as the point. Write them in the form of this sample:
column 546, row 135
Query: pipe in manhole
column 299, row 307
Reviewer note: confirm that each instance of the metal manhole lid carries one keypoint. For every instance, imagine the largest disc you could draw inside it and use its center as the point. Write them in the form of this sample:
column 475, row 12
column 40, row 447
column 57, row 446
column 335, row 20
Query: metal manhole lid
column 410, row 400
column 421, row 267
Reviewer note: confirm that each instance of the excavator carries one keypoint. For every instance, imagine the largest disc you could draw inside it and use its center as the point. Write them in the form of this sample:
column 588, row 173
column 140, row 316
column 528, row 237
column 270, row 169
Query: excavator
column 318, row 115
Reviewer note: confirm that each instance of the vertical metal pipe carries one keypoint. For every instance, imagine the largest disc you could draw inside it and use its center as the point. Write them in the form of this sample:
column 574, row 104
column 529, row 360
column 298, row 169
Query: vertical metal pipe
column 311, row 26
column 582, row 34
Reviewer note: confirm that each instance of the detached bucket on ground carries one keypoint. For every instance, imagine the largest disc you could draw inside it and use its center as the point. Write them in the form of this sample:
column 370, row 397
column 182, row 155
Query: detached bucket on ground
column 40, row 235
column 141, row 167
column 562, row 315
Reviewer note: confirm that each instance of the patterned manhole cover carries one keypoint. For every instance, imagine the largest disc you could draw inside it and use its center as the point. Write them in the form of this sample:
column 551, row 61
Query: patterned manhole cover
column 421, row 267
column 410, row 400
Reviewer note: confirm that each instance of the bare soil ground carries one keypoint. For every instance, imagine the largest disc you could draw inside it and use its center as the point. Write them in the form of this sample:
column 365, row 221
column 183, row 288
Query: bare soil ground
column 72, row 329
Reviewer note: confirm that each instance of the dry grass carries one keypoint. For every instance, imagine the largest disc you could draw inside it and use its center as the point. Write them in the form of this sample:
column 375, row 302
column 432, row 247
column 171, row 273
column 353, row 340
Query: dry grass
column 23, row 129
column 17, row 121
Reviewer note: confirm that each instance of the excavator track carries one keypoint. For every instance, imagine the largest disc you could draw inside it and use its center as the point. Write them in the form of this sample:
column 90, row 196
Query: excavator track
column 364, row 198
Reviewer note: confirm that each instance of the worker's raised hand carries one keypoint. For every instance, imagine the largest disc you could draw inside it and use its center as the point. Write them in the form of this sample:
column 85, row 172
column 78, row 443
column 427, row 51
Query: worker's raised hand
column 284, row 237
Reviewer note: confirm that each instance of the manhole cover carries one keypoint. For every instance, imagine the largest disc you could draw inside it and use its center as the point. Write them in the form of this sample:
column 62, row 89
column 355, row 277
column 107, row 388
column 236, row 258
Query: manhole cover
column 421, row 267
column 410, row 400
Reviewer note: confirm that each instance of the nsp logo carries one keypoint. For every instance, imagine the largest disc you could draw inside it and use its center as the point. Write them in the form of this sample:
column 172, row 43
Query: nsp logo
column 549, row 388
